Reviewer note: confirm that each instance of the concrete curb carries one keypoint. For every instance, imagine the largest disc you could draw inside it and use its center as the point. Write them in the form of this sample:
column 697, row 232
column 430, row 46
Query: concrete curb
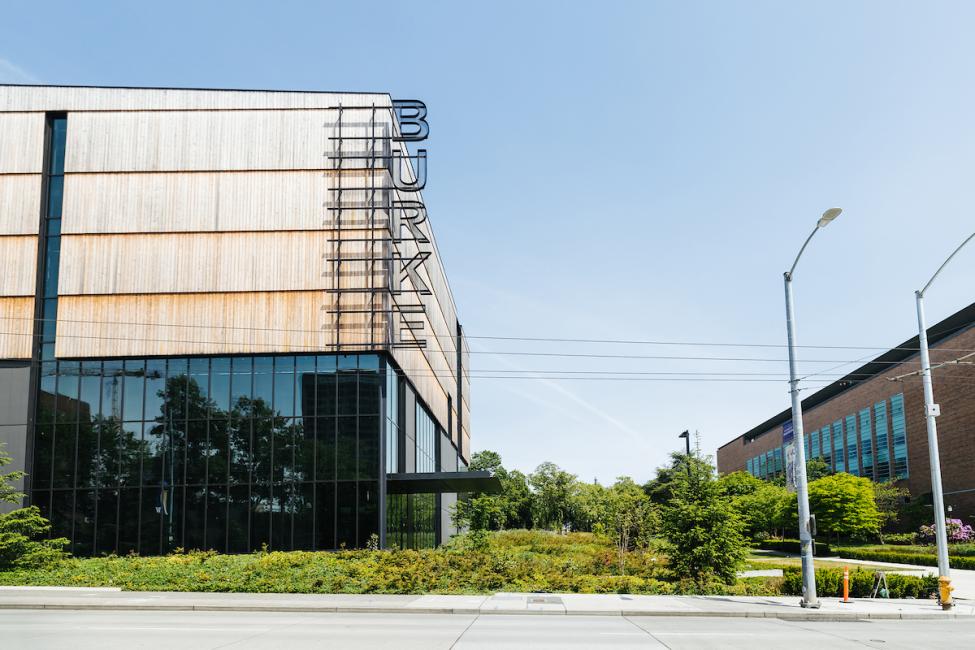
column 326, row 609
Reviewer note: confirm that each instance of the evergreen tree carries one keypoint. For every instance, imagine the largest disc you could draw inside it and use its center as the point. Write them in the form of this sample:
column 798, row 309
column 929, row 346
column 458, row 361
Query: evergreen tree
column 702, row 527
column 22, row 530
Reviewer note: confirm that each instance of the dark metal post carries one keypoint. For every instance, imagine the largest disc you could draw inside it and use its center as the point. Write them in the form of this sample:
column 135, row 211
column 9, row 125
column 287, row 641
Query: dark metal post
column 687, row 440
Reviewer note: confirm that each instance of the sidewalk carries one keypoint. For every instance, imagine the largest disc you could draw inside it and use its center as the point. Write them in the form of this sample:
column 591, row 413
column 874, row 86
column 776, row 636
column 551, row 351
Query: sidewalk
column 786, row 608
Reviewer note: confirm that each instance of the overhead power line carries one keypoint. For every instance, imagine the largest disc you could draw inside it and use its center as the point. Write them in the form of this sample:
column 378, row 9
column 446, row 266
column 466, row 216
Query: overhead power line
column 531, row 339
column 491, row 352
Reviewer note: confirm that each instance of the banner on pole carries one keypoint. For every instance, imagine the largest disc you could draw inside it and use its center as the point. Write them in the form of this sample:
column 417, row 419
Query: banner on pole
column 789, row 451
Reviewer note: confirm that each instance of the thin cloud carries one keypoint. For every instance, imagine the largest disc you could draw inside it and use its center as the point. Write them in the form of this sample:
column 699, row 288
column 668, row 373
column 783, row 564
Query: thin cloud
column 573, row 396
column 12, row 74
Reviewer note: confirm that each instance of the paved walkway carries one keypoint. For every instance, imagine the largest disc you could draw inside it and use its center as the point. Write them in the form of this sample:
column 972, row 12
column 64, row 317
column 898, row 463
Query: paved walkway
column 963, row 580
column 785, row 608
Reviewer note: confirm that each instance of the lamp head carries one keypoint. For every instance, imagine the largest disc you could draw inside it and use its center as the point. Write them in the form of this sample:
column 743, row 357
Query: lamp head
column 828, row 216
column 684, row 435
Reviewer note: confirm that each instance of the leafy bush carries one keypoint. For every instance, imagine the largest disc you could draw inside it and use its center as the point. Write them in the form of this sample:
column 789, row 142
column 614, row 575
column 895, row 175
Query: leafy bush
column 22, row 530
column 900, row 539
column 829, row 582
column 792, row 546
column 20, row 545
column 956, row 530
column 520, row 561
column 845, row 505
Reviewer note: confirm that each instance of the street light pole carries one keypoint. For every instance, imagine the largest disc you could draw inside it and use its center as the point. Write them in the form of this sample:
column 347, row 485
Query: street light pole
column 809, row 598
column 931, row 411
column 687, row 439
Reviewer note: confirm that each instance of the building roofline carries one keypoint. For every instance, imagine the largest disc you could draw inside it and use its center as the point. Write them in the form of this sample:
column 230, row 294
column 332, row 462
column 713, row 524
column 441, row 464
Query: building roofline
column 234, row 90
column 960, row 320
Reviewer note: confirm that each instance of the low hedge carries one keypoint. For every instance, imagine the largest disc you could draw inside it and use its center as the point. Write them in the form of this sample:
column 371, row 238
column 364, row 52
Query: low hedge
column 791, row 546
column 903, row 557
column 829, row 582
column 901, row 539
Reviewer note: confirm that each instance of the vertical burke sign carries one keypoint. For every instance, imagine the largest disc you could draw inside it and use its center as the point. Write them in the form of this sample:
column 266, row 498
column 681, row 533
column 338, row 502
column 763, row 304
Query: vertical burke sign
column 409, row 216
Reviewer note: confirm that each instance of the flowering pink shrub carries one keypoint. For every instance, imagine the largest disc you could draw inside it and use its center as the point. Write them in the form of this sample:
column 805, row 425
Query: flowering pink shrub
column 957, row 532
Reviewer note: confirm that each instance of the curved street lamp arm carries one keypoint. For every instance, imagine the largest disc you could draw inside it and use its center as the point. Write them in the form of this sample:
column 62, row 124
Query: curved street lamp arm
column 792, row 270
column 940, row 268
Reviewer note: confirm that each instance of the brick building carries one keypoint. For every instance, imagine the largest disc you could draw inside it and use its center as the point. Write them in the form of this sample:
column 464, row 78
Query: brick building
column 870, row 424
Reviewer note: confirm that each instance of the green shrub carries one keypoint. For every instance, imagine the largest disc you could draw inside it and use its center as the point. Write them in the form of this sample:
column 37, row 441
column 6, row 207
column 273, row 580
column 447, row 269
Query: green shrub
column 20, row 540
column 792, row 546
column 829, row 582
column 904, row 557
column 900, row 539
column 508, row 561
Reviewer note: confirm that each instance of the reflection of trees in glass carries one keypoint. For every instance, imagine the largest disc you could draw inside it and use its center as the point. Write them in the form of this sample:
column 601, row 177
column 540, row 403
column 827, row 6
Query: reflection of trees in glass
column 245, row 462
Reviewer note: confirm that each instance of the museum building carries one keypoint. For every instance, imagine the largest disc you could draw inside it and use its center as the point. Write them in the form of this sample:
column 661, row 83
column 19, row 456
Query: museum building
column 224, row 322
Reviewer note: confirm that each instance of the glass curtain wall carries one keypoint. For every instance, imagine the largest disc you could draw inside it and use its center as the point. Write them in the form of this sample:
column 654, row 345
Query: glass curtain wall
column 224, row 453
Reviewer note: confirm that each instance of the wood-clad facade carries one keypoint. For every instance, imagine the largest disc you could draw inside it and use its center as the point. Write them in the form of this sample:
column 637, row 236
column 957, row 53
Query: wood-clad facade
column 200, row 222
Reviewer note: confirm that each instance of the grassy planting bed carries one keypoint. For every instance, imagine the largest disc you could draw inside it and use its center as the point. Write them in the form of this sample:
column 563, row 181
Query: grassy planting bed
column 508, row 561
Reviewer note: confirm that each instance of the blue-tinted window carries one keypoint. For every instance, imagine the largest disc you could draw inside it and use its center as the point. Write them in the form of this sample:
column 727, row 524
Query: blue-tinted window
column 133, row 391
column 59, row 135
column 827, row 446
column 263, row 380
column 392, row 419
column 426, row 441
column 748, row 467
column 778, row 459
column 838, row 454
column 814, row 444
column 866, row 444
column 284, row 386
column 898, row 430
column 852, row 460
column 883, row 448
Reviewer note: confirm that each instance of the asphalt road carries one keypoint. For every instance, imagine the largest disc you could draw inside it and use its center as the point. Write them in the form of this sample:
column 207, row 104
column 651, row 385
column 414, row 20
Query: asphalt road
column 81, row 630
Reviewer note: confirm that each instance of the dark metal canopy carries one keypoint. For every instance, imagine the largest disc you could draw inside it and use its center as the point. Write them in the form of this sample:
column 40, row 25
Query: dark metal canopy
column 438, row 482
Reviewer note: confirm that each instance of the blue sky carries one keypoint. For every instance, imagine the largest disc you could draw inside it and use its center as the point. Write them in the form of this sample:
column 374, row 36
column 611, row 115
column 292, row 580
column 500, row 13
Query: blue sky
column 639, row 170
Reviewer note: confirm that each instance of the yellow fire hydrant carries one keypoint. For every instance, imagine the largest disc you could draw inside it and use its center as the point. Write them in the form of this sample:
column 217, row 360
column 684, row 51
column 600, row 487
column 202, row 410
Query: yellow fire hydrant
column 944, row 592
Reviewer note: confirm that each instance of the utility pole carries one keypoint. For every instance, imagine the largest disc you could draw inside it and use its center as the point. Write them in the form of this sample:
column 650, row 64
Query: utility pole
column 931, row 412
column 809, row 598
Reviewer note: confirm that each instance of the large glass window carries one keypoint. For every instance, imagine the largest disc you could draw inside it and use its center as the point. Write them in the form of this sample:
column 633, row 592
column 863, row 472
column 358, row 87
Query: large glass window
column 838, row 446
column 883, row 448
column 866, row 444
column 228, row 453
column 827, row 446
column 411, row 520
column 426, row 440
column 898, row 430
column 51, row 245
column 392, row 420
column 852, row 461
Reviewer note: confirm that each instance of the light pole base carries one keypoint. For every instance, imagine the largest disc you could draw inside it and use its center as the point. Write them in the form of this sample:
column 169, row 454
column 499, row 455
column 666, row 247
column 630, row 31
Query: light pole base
column 805, row 604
